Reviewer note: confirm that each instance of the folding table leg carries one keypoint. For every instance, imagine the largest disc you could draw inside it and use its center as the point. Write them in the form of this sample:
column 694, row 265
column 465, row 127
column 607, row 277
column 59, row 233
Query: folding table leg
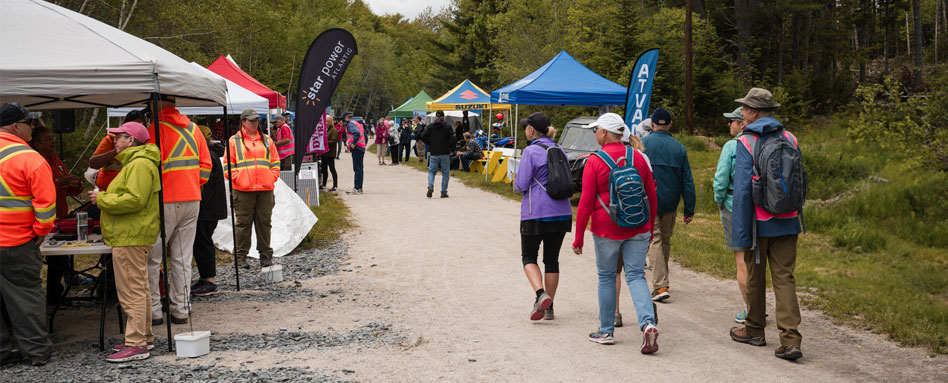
column 106, row 265
column 70, row 282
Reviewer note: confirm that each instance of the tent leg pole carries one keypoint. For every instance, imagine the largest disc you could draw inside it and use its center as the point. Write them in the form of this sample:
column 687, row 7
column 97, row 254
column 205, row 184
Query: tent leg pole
column 166, row 305
column 230, row 185
column 487, row 132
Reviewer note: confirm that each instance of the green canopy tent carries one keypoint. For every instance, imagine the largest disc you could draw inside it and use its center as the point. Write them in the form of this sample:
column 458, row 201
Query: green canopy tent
column 407, row 109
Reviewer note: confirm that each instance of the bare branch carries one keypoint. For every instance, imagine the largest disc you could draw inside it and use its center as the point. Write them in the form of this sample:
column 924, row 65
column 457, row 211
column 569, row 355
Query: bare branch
column 128, row 18
column 177, row 36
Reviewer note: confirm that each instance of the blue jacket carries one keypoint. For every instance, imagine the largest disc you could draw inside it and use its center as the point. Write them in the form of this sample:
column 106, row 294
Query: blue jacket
column 743, row 205
column 672, row 172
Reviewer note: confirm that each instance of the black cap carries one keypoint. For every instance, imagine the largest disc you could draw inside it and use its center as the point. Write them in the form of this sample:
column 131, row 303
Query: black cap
column 13, row 112
column 537, row 120
column 346, row 114
column 439, row 113
column 661, row 117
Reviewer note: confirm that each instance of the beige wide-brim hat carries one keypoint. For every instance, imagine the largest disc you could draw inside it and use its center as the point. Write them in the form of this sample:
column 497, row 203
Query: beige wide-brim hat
column 758, row 98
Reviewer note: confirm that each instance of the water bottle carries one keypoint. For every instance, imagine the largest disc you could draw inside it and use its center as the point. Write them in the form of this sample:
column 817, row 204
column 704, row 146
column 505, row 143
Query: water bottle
column 82, row 225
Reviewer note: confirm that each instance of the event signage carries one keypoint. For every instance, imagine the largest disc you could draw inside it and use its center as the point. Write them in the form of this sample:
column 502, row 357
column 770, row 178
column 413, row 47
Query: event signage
column 640, row 88
column 317, row 143
column 326, row 61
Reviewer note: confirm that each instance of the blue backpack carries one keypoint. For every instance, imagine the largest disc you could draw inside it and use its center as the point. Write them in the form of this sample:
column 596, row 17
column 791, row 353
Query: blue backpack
column 628, row 202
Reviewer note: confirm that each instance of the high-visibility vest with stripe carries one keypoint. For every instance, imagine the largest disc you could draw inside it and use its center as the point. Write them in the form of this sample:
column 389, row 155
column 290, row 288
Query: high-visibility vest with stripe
column 289, row 148
column 27, row 193
column 254, row 162
column 185, row 161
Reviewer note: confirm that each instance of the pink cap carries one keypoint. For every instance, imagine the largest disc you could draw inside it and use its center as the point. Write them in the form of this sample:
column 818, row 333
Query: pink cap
column 134, row 129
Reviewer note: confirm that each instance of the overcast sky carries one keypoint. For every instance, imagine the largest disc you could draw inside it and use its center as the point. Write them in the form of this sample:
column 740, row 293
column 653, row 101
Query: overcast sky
column 408, row 8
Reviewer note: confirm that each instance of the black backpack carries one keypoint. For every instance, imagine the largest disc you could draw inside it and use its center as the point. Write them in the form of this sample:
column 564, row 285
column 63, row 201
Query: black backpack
column 780, row 181
column 559, row 183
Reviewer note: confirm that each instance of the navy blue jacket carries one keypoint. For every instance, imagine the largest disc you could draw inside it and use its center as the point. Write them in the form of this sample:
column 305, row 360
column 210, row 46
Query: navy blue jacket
column 672, row 172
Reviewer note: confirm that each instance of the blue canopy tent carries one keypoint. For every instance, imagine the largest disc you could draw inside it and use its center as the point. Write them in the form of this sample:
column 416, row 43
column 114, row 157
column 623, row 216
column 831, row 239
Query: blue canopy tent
column 562, row 81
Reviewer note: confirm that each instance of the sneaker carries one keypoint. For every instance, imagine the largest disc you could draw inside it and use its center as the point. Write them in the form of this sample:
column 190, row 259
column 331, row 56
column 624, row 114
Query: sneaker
column 548, row 314
column 127, row 354
column 741, row 317
column 739, row 334
column 205, row 289
column 333, row 190
column 430, row 191
column 542, row 303
column 650, row 339
column 788, row 352
column 120, row 346
column 601, row 337
column 179, row 320
column 660, row 294
column 444, row 195
column 157, row 321
column 618, row 322
column 197, row 284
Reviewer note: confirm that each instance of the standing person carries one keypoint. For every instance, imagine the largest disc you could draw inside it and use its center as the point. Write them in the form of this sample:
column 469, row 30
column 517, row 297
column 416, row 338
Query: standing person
column 723, row 197
column 633, row 142
column 612, row 241
column 26, row 216
column 186, row 165
column 472, row 150
column 440, row 138
column 381, row 141
column 673, row 176
column 458, row 131
column 130, row 227
column 104, row 155
column 341, row 144
column 542, row 219
column 327, row 160
column 421, row 149
column 66, row 185
column 355, row 142
column 255, row 169
column 393, row 142
column 766, row 238
column 213, row 209
column 404, row 140
column 286, row 146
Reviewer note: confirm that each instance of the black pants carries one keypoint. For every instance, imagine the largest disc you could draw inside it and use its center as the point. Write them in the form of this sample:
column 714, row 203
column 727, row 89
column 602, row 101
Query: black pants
column 407, row 149
column 330, row 163
column 21, row 292
column 204, row 249
column 530, row 250
column 56, row 268
column 396, row 153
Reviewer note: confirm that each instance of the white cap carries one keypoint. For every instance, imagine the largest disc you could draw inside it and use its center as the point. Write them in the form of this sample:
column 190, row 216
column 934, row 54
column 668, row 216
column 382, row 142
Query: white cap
column 644, row 127
column 611, row 122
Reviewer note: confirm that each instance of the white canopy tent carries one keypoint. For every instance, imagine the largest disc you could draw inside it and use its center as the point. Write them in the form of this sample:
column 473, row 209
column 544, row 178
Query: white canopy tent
column 55, row 58
column 238, row 99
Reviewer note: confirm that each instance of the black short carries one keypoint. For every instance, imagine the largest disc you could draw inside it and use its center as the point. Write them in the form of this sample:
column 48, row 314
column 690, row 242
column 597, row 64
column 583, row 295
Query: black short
column 551, row 234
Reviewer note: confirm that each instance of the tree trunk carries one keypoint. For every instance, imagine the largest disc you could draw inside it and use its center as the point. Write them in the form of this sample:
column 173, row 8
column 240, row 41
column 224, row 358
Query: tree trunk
column 743, row 13
column 885, row 38
column 917, row 13
column 780, row 54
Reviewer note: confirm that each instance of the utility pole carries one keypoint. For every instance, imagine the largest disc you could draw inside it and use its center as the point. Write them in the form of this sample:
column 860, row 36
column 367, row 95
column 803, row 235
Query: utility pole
column 689, row 86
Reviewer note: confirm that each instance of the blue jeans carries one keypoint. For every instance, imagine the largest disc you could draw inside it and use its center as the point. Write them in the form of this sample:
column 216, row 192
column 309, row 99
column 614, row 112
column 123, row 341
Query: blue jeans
column 357, row 166
column 633, row 252
column 444, row 163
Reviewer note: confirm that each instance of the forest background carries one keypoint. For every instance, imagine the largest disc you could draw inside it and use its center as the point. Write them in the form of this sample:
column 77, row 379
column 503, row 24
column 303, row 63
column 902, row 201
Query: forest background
column 863, row 83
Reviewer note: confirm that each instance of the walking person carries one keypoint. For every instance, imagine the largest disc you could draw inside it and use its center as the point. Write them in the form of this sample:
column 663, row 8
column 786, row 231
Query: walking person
column 767, row 238
column 610, row 239
column 542, row 219
column 381, row 141
column 440, row 138
column 186, row 165
column 130, row 227
column 633, row 142
column 26, row 217
column 355, row 143
column 255, row 168
column 213, row 209
column 669, row 160
column 393, row 142
column 723, row 196
column 341, row 144
column 327, row 160
column 404, row 140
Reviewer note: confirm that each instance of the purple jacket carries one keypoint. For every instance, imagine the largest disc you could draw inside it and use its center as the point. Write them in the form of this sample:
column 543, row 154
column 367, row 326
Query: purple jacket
column 531, row 179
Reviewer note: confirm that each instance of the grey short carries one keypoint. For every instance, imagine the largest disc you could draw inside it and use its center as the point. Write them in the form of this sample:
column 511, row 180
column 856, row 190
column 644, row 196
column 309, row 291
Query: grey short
column 726, row 222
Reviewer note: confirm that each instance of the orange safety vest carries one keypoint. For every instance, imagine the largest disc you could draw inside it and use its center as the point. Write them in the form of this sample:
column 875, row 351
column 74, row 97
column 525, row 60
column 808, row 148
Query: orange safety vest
column 185, row 159
column 254, row 162
column 27, row 193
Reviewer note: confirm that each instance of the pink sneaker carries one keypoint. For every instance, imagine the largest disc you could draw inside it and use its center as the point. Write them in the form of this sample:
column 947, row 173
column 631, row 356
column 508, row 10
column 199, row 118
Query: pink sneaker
column 129, row 353
column 120, row 346
column 650, row 339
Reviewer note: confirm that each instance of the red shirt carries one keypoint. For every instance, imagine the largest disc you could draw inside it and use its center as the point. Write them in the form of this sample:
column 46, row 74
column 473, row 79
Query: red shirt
column 596, row 182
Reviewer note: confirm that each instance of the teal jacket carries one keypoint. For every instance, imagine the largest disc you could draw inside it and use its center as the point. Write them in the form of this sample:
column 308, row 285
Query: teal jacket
column 724, row 175
column 130, row 205
column 672, row 172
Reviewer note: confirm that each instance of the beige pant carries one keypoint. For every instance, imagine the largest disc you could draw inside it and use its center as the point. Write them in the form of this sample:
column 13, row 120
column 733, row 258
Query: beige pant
column 131, row 282
column 180, row 228
column 660, row 249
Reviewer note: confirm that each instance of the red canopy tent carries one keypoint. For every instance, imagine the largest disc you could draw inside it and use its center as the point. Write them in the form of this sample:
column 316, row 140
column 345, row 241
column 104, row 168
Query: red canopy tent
column 227, row 69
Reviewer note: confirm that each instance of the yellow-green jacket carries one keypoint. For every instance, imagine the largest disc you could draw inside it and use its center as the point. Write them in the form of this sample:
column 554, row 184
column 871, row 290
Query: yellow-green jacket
column 130, row 205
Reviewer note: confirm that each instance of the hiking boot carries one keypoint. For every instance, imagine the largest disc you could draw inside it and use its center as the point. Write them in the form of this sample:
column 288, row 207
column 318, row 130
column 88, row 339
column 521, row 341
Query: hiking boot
column 660, row 294
column 601, row 337
column 618, row 322
column 128, row 354
column 207, row 288
column 741, row 317
column 430, row 191
column 265, row 262
column 548, row 314
column 739, row 334
column 157, row 321
column 242, row 263
column 542, row 303
column 650, row 339
column 788, row 352
column 444, row 195
column 179, row 320
column 12, row 357
column 120, row 346
column 41, row 361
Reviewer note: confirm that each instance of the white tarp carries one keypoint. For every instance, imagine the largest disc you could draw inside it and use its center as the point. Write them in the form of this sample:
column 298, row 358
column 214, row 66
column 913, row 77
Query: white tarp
column 55, row 58
column 290, row 222
column 238, row 99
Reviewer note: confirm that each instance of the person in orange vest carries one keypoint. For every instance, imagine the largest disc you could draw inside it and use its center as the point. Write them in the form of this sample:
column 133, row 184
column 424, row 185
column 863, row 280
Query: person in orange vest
column 27, row 212
column 186, row 165
column 254, row 169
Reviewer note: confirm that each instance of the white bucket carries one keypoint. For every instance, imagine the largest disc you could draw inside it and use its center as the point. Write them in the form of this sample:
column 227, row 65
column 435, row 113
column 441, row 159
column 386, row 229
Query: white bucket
column 272, row 274
column 192, row 344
